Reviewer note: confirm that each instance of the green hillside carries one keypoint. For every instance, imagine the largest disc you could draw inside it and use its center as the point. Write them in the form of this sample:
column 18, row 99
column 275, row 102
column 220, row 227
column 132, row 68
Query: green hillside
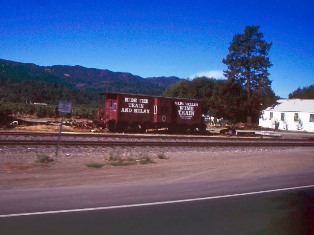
column 22, row 82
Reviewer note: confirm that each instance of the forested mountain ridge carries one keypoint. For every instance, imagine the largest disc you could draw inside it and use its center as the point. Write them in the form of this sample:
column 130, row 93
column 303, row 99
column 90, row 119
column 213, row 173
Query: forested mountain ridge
column 20, row 82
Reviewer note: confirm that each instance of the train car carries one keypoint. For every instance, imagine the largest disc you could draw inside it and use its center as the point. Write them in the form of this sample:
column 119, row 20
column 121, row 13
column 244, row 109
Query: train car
column 122, row 112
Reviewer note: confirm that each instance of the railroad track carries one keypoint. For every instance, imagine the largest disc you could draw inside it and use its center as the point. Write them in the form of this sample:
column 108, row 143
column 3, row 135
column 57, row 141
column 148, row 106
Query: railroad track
column 102, row 135
column 105, row 139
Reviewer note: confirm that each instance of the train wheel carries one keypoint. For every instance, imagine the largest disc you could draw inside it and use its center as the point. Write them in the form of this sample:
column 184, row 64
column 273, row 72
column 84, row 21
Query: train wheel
column 122, row 127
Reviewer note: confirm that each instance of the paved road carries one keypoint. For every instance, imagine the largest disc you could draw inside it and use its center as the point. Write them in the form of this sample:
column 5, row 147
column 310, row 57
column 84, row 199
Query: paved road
column 265, row 213
column 274, row 213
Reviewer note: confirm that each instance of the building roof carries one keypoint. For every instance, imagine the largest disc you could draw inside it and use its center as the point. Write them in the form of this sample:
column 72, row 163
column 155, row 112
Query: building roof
column 293, row 105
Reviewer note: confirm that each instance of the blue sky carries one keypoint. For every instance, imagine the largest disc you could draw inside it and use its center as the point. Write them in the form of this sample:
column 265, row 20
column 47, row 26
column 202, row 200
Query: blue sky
column 159, row 38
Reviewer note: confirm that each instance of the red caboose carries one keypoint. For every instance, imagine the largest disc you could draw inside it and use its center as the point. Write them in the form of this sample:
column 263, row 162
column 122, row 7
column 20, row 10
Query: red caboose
column 122, row 112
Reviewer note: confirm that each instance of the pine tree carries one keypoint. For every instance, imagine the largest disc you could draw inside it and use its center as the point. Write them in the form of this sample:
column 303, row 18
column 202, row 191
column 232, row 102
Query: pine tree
column 304, row 93
column 247, row 66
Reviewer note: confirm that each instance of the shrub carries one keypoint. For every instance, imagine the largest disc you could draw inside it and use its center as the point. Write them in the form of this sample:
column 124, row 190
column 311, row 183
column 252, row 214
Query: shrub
column 95, row 164
column 116, row 159
column 43, row 158
column 162, row 156
column 145, row 160
column 126, row 162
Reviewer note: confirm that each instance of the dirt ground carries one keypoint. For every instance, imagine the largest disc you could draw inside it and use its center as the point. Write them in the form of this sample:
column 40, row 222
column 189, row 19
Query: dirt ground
column 48, row 128
column 19, row 169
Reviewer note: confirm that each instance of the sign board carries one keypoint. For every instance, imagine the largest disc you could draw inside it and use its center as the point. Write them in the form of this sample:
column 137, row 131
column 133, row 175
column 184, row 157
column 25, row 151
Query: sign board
column 64, row 107
column 186, row 110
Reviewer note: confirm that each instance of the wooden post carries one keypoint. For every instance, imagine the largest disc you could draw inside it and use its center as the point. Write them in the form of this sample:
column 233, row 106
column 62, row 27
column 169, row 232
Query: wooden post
column 59, row 137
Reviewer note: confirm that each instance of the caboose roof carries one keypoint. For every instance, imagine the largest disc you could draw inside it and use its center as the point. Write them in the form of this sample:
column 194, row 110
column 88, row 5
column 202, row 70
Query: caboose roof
column 144, row 95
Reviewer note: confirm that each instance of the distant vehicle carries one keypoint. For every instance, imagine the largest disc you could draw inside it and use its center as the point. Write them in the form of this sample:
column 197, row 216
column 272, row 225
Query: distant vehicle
column 134, row 112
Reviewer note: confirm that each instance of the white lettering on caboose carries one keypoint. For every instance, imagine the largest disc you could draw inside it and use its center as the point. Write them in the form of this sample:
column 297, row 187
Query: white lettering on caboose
column 131, row 100
column 186, row 110
column 135, row 105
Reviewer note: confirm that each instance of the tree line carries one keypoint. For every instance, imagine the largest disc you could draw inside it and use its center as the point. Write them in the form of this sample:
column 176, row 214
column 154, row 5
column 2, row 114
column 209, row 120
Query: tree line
column 303, row 93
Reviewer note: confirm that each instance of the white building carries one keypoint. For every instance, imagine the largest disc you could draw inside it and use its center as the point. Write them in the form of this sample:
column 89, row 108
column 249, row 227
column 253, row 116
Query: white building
column 289, row 114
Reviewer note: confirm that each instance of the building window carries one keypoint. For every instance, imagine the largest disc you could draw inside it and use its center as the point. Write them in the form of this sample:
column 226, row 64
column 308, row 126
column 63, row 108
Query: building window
column 311, row 117
column 282, row 117
column 296, row 117
column 155, row 109
column 271, row 115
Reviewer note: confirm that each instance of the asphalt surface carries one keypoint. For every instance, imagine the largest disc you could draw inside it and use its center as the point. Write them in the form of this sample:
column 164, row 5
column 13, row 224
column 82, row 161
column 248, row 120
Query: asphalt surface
column 110, row 209
column 274, row 213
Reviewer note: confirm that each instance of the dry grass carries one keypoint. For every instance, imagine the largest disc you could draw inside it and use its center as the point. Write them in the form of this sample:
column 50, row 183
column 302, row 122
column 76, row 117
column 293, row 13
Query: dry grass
column 43, row 158
column 118, row 159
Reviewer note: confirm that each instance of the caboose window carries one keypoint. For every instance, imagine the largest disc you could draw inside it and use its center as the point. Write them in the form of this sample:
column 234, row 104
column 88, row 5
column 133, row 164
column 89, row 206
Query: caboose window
column 155, row 109
column 111, row 103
